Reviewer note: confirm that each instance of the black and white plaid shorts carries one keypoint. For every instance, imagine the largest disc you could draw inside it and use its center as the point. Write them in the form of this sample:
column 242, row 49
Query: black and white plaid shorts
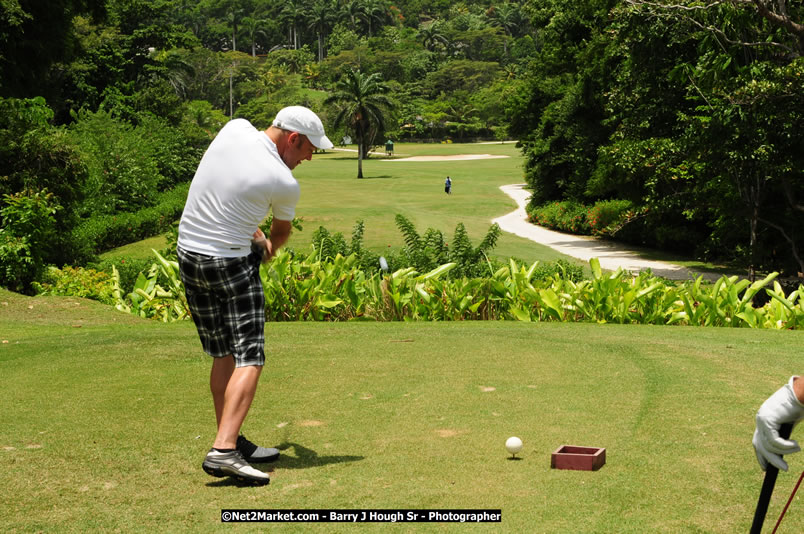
column 226, row 299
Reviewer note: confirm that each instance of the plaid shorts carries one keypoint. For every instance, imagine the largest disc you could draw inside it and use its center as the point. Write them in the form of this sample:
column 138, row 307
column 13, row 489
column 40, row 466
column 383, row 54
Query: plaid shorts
column 227, row 302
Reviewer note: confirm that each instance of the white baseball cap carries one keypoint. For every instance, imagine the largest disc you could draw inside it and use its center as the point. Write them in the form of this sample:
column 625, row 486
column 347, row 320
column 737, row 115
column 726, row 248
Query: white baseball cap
column 302, row 120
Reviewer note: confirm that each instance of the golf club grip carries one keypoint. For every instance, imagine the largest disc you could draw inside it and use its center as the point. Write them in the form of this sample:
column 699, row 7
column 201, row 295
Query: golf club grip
column 767, row 486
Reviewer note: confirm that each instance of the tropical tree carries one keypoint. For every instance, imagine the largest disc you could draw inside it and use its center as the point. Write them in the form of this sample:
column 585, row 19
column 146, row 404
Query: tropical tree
column 353, row 12
column 376, row 14
column 362, row 104
column 293, row 14
column 509, row 18
column 322, row 18
column 431, row 36
column 254, row 27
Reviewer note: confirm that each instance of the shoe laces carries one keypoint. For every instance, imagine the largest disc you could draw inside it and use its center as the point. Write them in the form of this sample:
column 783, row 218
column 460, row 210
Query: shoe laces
column 245, row 446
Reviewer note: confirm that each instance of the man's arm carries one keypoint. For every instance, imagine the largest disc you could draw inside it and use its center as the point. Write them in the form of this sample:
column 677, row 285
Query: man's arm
column 280, row 232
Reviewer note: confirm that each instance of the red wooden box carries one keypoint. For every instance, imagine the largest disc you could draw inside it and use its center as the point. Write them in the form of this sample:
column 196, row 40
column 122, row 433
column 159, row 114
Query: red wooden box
column 578, row 458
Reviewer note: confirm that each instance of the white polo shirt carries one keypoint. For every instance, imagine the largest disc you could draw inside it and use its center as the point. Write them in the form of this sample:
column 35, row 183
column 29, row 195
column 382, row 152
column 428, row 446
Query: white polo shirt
column 240, row 178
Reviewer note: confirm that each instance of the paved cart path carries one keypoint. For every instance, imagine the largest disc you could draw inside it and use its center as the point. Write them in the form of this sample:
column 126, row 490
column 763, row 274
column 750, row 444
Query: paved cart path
column 611, row 255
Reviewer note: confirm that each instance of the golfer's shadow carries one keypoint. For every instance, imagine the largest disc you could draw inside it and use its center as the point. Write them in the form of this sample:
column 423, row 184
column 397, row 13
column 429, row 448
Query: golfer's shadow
column 305, row 458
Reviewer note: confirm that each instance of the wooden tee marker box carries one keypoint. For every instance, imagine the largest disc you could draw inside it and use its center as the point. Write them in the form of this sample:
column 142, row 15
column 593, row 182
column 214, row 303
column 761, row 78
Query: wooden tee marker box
column 578, row 458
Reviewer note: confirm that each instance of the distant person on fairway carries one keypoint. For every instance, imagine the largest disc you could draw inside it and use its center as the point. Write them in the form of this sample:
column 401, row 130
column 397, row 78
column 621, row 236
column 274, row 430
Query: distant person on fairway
column 448, row 186
column 784, row 406
column 243, row 174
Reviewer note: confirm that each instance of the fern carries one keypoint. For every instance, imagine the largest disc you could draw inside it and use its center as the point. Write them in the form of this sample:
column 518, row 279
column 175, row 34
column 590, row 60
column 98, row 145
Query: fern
column 357, row 237
column 490, row 241
column 412, row 239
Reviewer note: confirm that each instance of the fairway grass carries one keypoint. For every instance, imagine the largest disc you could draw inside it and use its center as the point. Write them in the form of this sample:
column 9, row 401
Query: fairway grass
column 332, row 197
column 106, row 419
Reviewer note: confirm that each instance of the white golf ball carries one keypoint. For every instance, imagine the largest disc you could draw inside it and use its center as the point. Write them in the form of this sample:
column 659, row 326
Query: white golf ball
column 513, row 445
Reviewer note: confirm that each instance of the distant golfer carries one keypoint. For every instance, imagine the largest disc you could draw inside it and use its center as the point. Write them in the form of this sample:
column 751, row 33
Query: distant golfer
column 784, row 406
column 243, row 174
column 448, row 186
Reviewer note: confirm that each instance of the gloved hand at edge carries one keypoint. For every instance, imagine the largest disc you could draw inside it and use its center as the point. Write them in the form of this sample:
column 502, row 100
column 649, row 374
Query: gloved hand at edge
column 781, row 407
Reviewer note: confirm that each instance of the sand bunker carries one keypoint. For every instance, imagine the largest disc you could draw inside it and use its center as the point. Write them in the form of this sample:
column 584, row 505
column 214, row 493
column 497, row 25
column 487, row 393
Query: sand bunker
column 458, row 157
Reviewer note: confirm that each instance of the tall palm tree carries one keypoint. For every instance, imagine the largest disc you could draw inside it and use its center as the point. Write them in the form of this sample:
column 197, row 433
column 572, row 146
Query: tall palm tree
column 322, row 15
column 233, row 16
column 293, row 13
column 353, row 12
column 252, row 27
column 377, row 13
column 362, row 103
column 508, row 17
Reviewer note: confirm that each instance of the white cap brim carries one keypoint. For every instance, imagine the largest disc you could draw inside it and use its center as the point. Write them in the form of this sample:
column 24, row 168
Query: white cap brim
column 320, row 141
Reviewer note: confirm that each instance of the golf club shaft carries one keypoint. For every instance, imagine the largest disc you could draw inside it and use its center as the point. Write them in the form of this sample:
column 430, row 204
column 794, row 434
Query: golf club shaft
column 767, row 486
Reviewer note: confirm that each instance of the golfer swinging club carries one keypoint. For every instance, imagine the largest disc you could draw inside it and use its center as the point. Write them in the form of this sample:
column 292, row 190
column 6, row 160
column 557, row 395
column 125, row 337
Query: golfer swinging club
column 243, row 174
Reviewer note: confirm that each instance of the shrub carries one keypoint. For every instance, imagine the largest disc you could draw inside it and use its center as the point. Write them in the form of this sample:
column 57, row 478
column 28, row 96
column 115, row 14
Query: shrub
column 566, row 216
column 559, row 268
column 28, row 221
column 606, row 216
column 108, row 231
column 328, row 246
column 431, row 250
column 603, row 219
column 128, row 270
column 77, row 282
column 124, row 175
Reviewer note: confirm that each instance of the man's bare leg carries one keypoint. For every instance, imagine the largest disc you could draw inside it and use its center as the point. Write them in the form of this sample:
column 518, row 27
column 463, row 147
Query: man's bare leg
column 233, row 390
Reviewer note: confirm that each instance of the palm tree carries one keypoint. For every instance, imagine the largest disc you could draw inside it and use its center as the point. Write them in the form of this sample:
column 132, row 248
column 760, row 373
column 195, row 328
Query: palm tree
column 252, row 26
column 509, row 18
column 293, row 14
column 321, row 18
column 362, row 103
column 172, row 66
column 431, row 36
column 375, row 11
column 233, row 16
column 353, row 12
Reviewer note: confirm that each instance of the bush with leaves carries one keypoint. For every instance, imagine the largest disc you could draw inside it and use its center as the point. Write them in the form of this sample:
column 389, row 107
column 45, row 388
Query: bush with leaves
column 28, row 222
column 36, row 156
column 104, row 232
column 431, row 250
column 328, row 246
column 76, row 282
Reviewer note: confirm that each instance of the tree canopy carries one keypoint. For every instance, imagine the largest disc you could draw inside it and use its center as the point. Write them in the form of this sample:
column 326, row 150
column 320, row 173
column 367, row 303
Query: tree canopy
column 685, row 113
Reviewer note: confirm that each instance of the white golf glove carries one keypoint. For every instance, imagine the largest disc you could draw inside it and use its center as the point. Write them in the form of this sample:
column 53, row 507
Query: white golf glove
column 781, row 407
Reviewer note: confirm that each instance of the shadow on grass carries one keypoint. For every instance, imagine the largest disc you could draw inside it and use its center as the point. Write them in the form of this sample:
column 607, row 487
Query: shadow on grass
column 306, row 458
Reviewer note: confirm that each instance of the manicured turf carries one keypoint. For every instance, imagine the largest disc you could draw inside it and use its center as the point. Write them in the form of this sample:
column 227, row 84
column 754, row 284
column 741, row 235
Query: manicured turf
column 106, row 419
column 332, row 196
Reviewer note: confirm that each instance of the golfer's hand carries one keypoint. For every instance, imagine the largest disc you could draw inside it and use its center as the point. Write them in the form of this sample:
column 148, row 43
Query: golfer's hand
column 781, row 407
column 258, row 239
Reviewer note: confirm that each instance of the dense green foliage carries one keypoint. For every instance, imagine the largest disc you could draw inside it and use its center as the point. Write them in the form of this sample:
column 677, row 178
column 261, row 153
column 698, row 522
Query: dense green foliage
column 687, row 110
column 337, row 289
column 676, row 122
column 27, row 223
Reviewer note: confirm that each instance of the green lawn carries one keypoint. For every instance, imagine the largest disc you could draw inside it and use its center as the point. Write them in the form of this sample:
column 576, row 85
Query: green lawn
column 106, row 419
column 332, row 196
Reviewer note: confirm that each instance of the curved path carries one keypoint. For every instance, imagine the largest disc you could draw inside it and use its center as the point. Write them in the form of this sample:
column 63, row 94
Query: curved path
column 612, row 256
